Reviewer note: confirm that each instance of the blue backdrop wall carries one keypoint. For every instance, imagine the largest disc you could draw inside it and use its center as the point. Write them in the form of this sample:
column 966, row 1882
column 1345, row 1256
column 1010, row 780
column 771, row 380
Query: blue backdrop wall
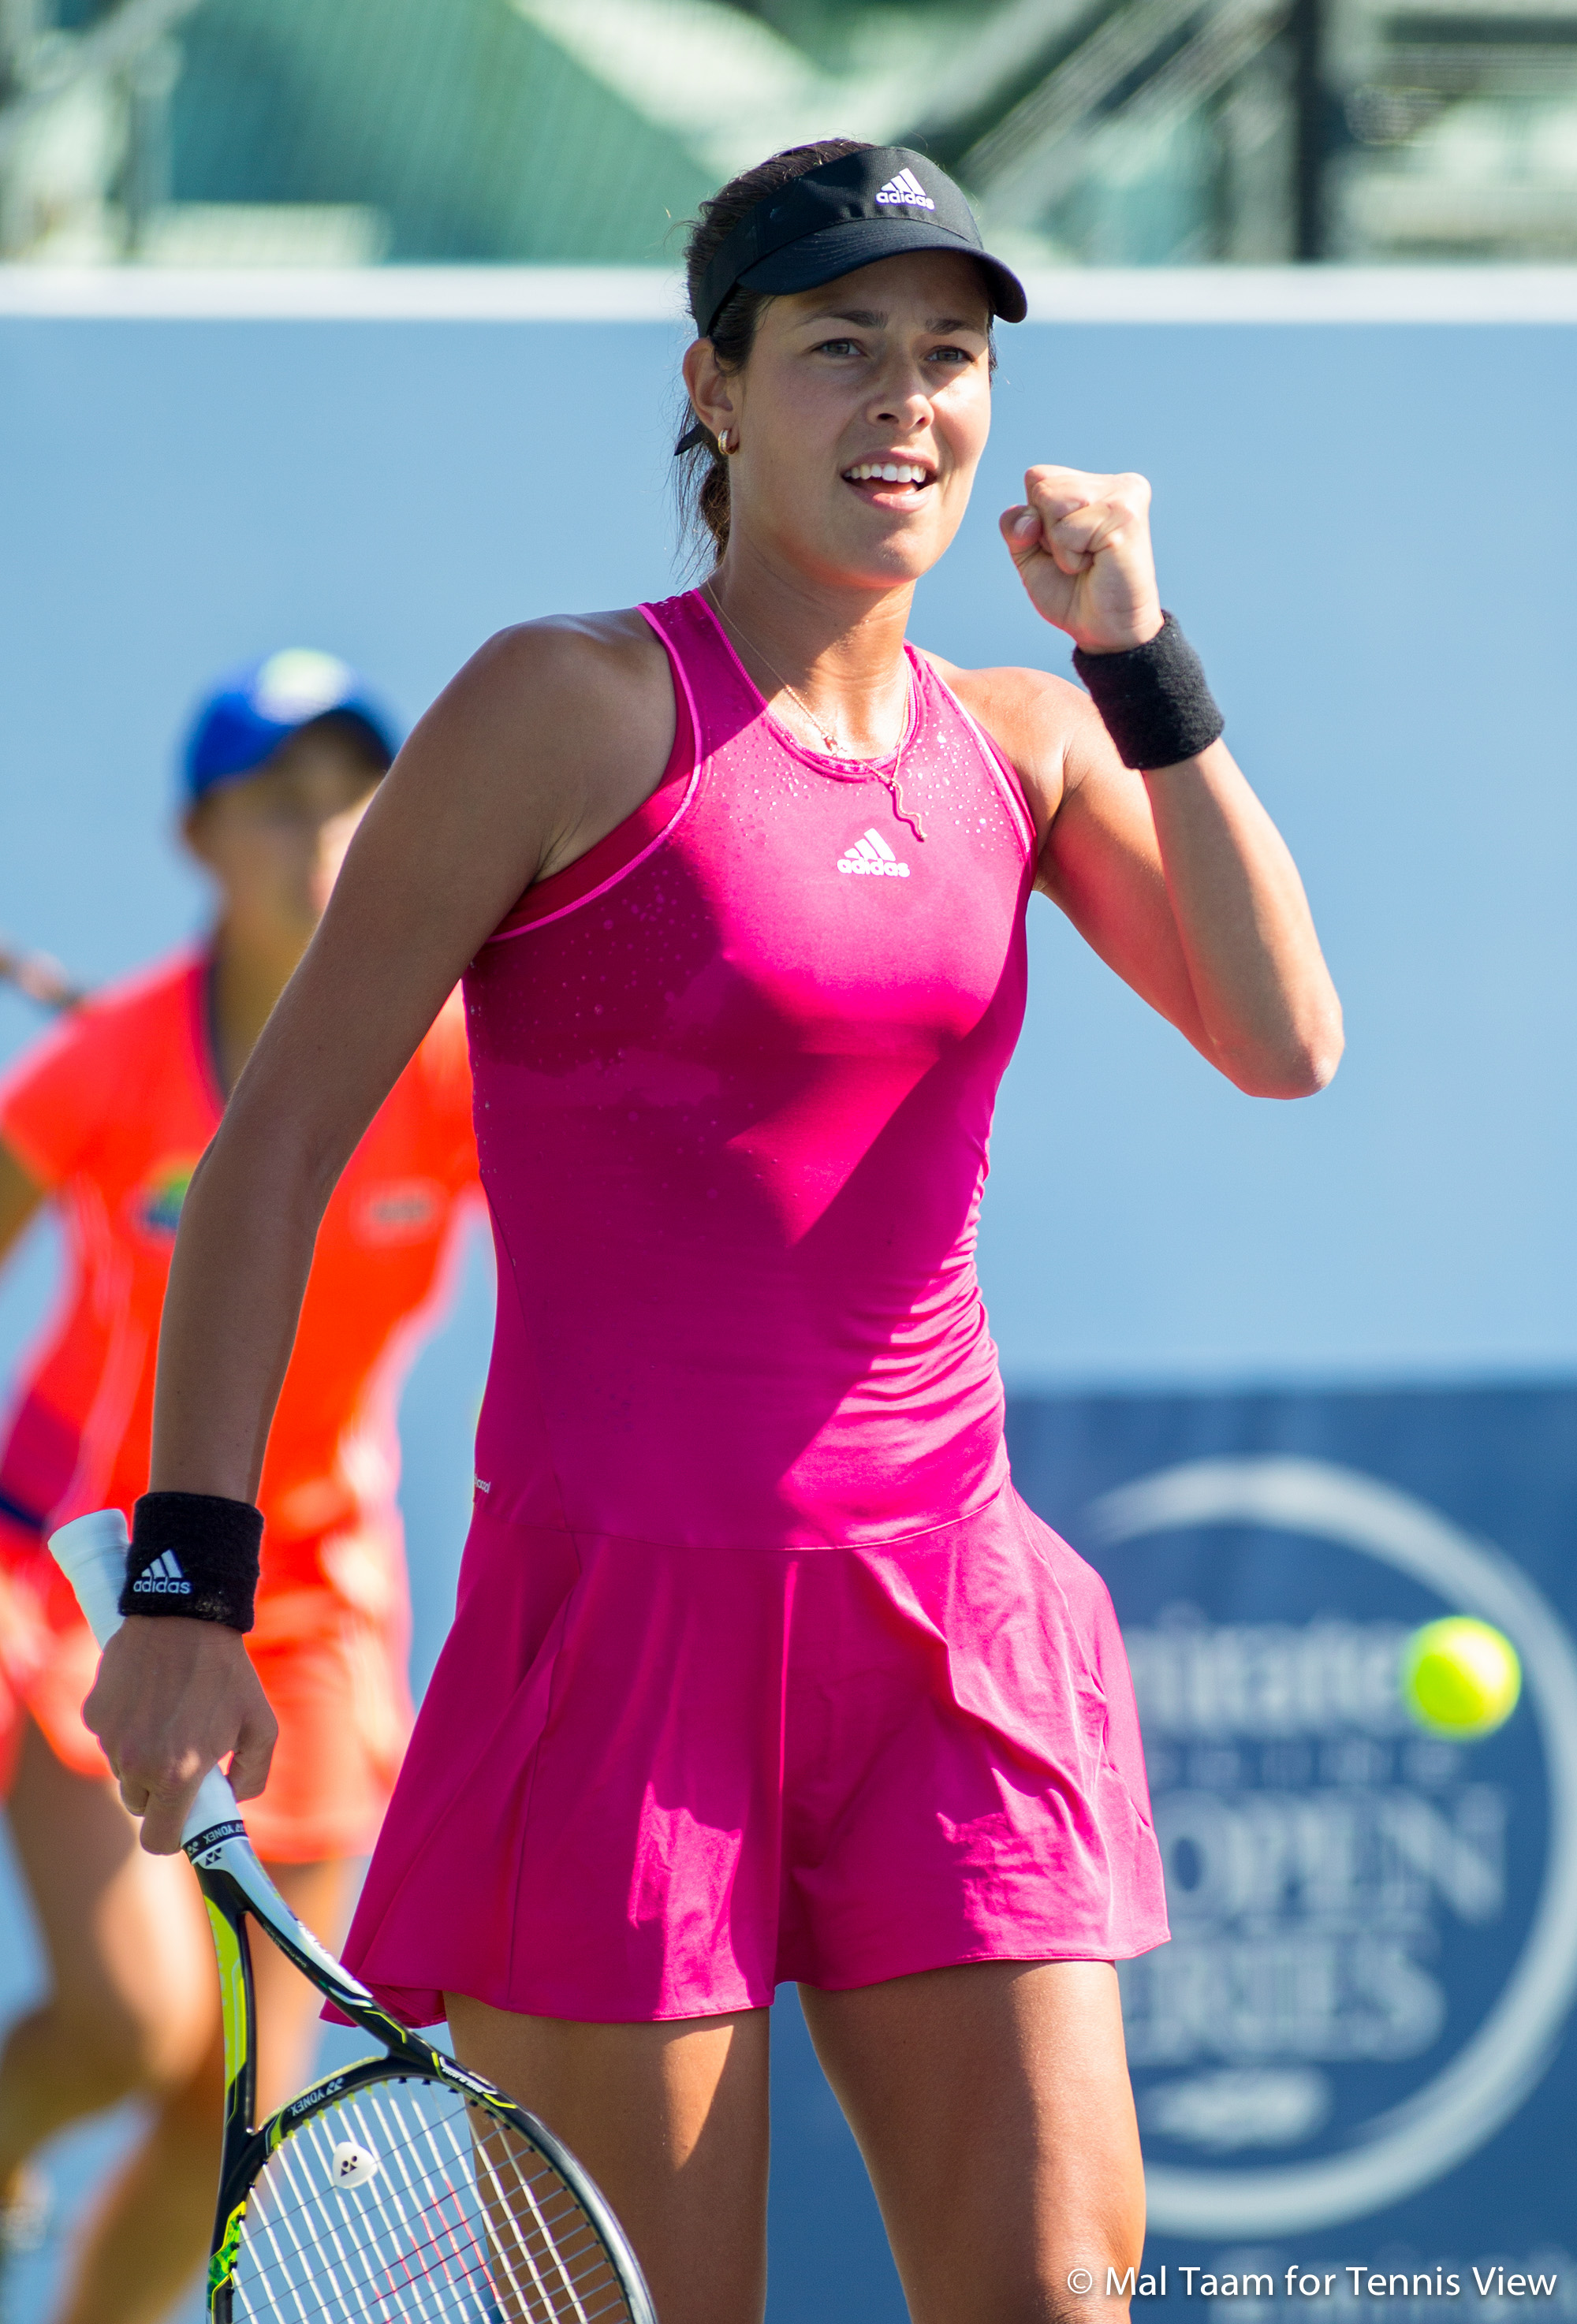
column 1366, row 530
column 1355, row 2048
column 1332, row 507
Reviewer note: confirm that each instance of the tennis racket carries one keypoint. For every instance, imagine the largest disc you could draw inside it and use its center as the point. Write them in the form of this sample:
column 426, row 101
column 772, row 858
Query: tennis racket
column 40, row 976
column 404, row 2186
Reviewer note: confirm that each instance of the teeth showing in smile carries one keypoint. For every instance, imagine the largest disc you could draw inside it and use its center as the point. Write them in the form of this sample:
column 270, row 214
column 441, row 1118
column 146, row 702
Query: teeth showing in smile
column 887, row 472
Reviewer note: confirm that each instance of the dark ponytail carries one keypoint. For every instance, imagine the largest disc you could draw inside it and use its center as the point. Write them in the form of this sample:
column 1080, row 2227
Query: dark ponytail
column 703, row 471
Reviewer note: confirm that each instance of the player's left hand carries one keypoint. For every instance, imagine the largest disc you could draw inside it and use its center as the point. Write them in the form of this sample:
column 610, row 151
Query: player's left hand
column 1082, row 545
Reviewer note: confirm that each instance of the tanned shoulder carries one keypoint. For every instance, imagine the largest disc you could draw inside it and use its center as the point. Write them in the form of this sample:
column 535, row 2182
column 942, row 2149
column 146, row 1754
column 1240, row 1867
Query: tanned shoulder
column 598, row 668
column 1041, row 724
column 576, row 710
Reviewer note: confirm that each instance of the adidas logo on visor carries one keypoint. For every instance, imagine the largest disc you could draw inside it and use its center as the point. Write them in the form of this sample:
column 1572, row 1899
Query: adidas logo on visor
column 164, row 1579
column 906, row 188
column 871, row 858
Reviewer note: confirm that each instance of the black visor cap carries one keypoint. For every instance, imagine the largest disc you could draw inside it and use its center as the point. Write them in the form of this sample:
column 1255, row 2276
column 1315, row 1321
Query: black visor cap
column 846, row 214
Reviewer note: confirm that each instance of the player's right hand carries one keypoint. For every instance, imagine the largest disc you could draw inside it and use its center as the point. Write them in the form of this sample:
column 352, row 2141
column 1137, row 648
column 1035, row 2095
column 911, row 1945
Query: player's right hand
column 172, row 1698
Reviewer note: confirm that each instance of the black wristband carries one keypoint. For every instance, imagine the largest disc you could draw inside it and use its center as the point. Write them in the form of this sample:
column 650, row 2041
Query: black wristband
column 194, row 1553
column 1153, row 698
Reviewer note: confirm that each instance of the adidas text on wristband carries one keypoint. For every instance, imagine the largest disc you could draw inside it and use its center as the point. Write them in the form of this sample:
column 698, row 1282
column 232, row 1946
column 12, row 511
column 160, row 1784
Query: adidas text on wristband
column 1153, row 698
column 195, row 1554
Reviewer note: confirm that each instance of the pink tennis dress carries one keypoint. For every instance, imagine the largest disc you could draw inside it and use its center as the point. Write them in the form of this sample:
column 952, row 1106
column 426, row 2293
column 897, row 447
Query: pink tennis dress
column 760, row 1668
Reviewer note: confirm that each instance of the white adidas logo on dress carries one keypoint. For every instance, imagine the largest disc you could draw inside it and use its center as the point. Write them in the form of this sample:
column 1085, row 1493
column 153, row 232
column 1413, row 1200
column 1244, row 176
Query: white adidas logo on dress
column 164, row 1579
column 872, row 856
column 907, row 189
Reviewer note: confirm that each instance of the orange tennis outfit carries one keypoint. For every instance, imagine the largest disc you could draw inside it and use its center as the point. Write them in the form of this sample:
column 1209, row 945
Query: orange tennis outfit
column 111, row 1115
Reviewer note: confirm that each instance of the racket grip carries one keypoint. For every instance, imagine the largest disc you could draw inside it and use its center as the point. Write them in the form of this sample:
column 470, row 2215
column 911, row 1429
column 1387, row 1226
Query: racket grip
column 215, row 1803
column 91, row 1552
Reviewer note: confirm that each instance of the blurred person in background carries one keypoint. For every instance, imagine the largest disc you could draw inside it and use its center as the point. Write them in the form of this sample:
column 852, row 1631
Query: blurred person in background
column 105, row 1119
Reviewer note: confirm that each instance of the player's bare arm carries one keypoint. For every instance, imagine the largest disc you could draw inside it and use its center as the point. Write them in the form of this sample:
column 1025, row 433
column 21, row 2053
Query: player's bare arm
column 477, row 808
column 1176, row 877
column 20, row 1196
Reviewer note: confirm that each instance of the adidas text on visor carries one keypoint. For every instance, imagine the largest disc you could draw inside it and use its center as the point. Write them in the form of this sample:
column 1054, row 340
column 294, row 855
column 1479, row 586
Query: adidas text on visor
column 847, row 214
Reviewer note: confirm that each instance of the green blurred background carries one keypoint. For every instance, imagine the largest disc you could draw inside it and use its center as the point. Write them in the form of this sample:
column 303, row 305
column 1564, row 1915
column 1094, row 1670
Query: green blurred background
column 223, row 133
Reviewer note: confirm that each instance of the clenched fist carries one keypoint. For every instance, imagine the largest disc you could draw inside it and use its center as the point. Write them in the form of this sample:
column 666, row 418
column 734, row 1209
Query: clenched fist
column 1082, row 545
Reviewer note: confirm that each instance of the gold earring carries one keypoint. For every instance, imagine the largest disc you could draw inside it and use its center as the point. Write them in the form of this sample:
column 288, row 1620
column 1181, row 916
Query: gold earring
column 722, row 442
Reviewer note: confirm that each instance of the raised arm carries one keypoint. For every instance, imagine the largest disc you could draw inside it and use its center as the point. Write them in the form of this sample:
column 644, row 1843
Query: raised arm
column 541, row 744
column 1176, row 875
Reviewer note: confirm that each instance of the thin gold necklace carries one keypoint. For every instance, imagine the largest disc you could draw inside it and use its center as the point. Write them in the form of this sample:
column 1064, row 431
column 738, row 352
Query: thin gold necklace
column 834, row 746
column 804, row 708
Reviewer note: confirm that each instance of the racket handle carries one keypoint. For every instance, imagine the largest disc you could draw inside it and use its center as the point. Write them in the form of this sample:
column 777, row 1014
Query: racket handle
column 91, row 1552
column 215, row 1803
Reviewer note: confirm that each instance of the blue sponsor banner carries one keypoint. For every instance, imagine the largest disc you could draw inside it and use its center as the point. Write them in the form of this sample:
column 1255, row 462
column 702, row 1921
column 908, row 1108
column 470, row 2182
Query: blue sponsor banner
column 1354, row 2065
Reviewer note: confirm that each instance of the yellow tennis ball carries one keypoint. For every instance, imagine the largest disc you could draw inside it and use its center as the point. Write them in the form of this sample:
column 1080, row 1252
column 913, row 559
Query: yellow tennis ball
column 1460, row 1677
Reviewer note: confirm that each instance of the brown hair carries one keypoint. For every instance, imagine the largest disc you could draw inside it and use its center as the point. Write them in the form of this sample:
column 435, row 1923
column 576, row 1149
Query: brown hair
column 703, row 477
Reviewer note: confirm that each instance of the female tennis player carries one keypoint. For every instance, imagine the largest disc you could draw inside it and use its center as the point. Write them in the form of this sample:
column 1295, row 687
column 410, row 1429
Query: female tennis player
column 106, row 1120
column 759, row 1669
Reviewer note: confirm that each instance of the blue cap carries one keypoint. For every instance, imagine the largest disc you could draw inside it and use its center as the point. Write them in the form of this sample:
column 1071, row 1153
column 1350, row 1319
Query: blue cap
column 255, row 710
